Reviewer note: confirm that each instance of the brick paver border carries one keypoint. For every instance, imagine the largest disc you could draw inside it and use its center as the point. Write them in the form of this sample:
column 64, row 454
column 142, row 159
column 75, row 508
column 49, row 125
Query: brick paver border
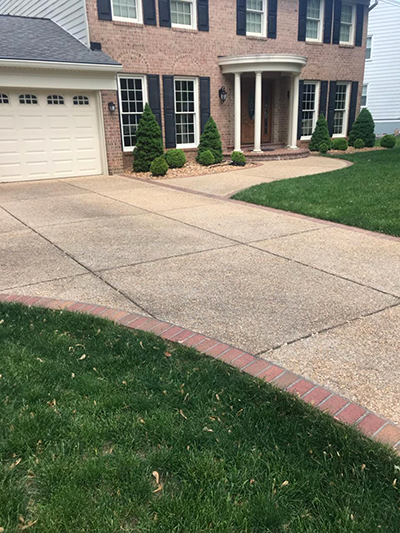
column 342, row 409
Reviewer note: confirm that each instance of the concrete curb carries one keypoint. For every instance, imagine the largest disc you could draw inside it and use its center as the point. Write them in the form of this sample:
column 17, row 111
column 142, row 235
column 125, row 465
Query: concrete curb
column 342, row 409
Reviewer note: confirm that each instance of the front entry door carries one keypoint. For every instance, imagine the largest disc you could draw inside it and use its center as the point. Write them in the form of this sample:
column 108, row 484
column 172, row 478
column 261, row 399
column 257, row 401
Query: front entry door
column 248, row 109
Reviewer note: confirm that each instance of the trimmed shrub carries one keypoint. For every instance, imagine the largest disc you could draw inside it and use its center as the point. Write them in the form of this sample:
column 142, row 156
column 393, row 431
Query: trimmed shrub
column 211, row 140
column 363, row 128
column 159, row 167
column 323, row 148
column 175, row 158
column 358, row 144
column 149, row 144
column 320, row 135
column 340, row 144
column 388, row 141
column 206, row 158
column 238, row 158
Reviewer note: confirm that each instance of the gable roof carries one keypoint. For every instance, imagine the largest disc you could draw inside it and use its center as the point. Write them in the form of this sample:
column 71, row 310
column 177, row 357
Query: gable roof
column 36, row 39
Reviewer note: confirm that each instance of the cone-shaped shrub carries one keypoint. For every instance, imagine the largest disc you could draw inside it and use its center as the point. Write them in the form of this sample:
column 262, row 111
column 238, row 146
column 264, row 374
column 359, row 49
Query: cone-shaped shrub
column 363, row 128
column 211, row 140
column 320, row 135
column 149, row 144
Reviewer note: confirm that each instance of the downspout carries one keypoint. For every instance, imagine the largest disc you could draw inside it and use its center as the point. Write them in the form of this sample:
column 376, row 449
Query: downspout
column 373, row 6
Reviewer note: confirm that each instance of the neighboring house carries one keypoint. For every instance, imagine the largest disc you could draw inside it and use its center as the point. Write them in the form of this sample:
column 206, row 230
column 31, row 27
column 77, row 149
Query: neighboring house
column 263, row 69
column 381, row 89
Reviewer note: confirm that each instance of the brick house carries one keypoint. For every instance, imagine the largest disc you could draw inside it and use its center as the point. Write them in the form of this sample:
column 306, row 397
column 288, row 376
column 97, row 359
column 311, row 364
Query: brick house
column 263, row 69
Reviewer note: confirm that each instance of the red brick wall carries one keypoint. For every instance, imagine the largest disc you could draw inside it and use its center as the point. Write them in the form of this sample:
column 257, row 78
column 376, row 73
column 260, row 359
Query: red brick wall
column 159, row 50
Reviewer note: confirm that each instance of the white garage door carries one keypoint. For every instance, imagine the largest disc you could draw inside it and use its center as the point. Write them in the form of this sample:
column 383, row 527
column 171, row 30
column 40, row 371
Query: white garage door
column 48, row 134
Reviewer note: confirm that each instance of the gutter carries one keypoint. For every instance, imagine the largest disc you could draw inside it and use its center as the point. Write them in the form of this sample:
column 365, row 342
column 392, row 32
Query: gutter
column 373, row 6
column 93, row 67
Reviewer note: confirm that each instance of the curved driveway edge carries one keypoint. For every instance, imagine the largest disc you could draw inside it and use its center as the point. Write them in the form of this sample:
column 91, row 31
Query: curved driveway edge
column 343, row 410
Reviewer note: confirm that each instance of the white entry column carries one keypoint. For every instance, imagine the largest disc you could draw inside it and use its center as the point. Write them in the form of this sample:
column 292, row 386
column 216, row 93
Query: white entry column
column 238, row 112
column 258, row 112
column 294, row 113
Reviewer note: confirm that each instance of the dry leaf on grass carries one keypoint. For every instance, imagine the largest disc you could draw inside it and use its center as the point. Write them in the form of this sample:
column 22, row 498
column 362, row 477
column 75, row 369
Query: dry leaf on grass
column 156, row 476
column 15, row 464
column 82, row 357
column 182, row 414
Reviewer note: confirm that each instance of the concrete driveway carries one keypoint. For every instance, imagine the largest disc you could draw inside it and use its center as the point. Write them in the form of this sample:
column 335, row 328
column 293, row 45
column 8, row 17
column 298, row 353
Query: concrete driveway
column 320, row 299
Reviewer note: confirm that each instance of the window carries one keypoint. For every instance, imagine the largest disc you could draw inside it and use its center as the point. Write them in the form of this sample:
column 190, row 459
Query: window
column 255, row 17
column 341, row 109
column 132, row 98
column 347, row 24
column 55, row 99
column 4, row 99
column 186, row 97
column 183, row 13
column 28, row 99
column 314, row 20
column 80, row 100
column 127, row 10
column 364, row 95
column 368, row 50
column 309, row 109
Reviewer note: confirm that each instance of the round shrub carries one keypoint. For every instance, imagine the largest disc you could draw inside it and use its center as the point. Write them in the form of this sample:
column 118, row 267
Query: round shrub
column 358, row 144
column 323, row 148
column 340, row 144
column 388, row 141
column 238, row 159
column 175, row 158
column 159, row 167
column 206, row 158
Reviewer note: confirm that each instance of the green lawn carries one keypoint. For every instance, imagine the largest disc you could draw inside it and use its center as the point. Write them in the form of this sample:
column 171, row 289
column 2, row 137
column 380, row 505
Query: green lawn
column 365, row 195
column 89, row 411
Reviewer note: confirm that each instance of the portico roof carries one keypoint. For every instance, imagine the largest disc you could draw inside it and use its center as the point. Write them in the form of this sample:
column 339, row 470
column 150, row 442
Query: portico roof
column 262, row 63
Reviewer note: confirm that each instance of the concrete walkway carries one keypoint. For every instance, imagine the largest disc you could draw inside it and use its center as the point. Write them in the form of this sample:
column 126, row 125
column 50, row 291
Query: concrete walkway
column 320, row 299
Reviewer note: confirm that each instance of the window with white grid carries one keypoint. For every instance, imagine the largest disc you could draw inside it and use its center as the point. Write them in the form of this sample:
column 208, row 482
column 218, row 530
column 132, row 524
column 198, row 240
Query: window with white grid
column 128, row 10
column 55, row 99
column 132, row 99
column 368, row 49
column 186, row 117
column 183, row 13
column 314, row 20
column 364, row 96
column 80, row 100
column 341, row 109
column 28, row 99
column 4, row 98
column 255, row 17
column 347, row 24
column 309, row 109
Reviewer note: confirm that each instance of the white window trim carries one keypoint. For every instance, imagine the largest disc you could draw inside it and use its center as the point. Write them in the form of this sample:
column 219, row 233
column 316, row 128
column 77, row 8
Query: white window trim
column 129, row 149
column 192, row 26
column 137, row 20
column 321, row 25
column 353, row 25
column 263, row 24
column 366, row 96
column 346, row 111
column 196, row 111
column 372, row 44
column 316, row 111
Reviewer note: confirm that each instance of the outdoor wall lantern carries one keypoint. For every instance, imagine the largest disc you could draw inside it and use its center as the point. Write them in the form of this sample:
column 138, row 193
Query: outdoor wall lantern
column 111, row 107
column 222, row 94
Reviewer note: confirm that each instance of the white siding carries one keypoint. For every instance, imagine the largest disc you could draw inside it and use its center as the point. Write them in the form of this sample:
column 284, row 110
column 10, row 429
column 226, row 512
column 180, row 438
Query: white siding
column 69, row 14
column 382, row 72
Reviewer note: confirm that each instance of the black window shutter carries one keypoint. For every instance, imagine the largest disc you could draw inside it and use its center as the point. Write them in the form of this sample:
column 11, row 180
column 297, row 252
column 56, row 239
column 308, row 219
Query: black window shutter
column 241, row 17
column 169, row 111
column 300, row 114
column 336, row 21
column 328, row 21
column 272, row 18
column 323, row 98
column 331, row 106
column 164, row 12
column 153, row 85
column 359, row 24
column 202, row 15
column 353, row 104
column 302, row 20
column 104, row 9
column 205, row 109
column 149, row 12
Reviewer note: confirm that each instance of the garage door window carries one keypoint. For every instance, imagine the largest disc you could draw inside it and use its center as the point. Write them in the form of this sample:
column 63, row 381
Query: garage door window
column 81, row 100
column 132, row 98
column 28, row 99
column 55, row 99
column 4, row 99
